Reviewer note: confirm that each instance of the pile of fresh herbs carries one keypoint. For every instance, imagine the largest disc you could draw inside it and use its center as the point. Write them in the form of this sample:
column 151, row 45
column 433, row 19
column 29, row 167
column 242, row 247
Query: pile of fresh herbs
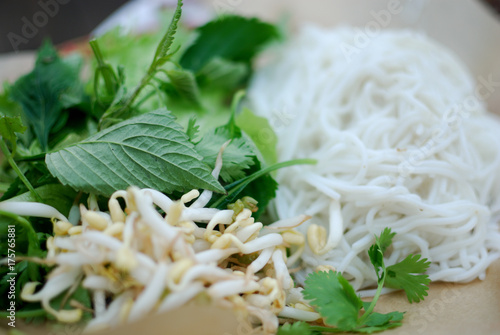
column 152, row 119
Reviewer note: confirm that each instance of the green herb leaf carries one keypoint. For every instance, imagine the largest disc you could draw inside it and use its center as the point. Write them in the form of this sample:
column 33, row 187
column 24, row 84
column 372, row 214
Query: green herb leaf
column 261, row 133
column 235, row 190
column 233, row 38
column 184, row 83
column 297, row 328
column 9, row 107
column 163, row 48
column 235, row 159
column 222, row 73
column 51, row 86
column 380, row 320
column 376, row 251
column 9, row 126
column 334, row 299
column 385, row 239
column 405, row 275
column 192, row 129
column 150, row 150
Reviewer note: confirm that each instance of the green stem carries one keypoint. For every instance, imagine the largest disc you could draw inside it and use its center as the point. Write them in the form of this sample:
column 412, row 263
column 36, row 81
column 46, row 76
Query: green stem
column 18, row 171
column 25, row 224
column 375, row 298
column 325, row 329
column 31, row 158
column 145, row 98
column 25, row 314
column 161, row 51
column 237, row 186
column 109, row 76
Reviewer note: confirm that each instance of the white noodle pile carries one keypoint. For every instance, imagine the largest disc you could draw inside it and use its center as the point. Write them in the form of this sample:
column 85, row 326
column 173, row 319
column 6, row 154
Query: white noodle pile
column 401, row 141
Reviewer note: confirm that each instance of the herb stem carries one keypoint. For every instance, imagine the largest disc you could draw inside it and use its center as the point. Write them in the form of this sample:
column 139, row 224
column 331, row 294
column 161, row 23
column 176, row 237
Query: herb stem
column 236, row 187
column 34, row 243
column 18, row 171
column 325, row 329
column 26, row 314
column 31, row 158
column 107, row 72
column 374, row 301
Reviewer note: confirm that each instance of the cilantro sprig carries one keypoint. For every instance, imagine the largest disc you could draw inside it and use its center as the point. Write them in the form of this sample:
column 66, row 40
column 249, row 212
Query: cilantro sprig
column 344, row 311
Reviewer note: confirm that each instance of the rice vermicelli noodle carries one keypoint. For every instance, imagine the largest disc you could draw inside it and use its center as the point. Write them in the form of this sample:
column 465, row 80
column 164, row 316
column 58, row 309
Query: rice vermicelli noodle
column 403, row 140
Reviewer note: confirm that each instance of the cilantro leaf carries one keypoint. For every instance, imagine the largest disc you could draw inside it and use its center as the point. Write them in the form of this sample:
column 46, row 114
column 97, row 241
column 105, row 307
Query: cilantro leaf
column 385, row 239
column 404, row 275
column 334, row 299
column 378, row 319
column 376, row 251
column 150, row 150
column 231, row 37
column 297, row 328
column 43, row 93
column 339, row 306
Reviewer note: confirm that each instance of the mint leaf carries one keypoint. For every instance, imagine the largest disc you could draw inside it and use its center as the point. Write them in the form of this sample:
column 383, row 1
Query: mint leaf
column 297, row 328
column 334, row 299
column 233, row 38
column 404, row 275
column 52, row 86
column 150, row 150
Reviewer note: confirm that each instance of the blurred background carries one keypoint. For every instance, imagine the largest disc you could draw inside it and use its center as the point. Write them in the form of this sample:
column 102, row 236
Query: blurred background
column 470, row 28
column 24, row 24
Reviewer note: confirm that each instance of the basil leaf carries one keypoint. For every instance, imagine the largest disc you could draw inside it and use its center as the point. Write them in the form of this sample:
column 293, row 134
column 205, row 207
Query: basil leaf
column 150, row 150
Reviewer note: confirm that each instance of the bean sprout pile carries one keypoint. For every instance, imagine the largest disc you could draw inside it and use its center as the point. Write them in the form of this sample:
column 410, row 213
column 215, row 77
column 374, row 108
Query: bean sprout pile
column 155, row 255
